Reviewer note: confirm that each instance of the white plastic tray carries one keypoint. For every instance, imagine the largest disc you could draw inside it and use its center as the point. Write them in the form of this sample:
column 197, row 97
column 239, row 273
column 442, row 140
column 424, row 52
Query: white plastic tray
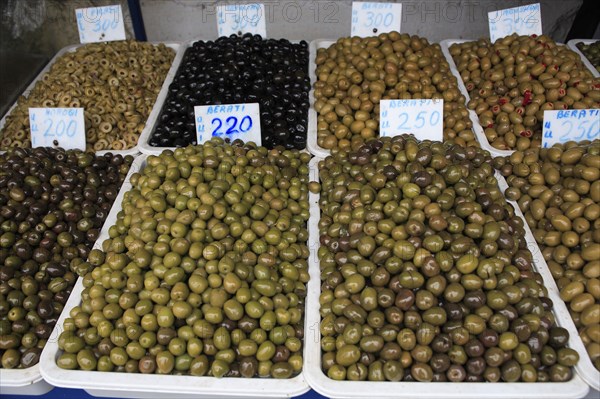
column 572, row 45
column 477, row 128
column 311, row 139
column 127, row 385
column 23, row 381
column 69, row 49
column 576, row 388
column 143, row 142
column 584, row 368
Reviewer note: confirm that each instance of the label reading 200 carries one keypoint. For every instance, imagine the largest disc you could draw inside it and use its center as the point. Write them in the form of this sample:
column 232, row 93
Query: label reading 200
column 57, row 127
column 229, row 121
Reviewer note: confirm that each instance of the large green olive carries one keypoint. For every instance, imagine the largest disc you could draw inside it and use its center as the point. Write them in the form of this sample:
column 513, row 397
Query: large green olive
column 205, row 270
column 354, row 74
column 563, row 215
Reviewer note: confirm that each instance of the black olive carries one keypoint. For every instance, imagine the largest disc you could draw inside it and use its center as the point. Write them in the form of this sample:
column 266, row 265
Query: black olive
column 243, row 69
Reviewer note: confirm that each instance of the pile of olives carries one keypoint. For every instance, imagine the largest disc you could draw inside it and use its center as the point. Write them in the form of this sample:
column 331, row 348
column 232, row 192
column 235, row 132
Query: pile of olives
column 425, row 272
column 115, row 82
column 591, row 52
column 558, row 190
column 205, row 270
column 234, row 70
column 52, row 206
column 513, row 81
column 354, row 74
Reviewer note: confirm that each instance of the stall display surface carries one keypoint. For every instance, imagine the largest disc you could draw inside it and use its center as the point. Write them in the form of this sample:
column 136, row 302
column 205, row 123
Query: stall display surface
column 47, row 380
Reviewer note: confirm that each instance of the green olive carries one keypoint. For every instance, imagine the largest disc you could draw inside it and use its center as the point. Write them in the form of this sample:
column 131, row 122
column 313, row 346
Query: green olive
column 560, row 224
column 204, row 273
column 427, row 287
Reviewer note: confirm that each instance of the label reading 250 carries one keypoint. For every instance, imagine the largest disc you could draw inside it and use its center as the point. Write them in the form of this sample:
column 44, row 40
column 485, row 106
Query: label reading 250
column 570, row 125
column 424, row 118
column 228, row 121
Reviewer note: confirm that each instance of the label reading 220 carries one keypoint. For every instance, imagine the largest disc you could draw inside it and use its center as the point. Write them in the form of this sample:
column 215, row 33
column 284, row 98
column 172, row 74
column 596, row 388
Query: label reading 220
column 422, row 118
column 570, row 125
column 228, row 121
column 57, row 127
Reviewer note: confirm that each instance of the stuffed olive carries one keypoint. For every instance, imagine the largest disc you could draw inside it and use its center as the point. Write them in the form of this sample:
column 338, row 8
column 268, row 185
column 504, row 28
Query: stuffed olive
column 514, row 80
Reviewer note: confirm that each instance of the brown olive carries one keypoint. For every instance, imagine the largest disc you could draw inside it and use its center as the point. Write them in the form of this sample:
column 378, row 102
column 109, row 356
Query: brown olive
column 412, row 297
column 561, row 215
column 55, row 196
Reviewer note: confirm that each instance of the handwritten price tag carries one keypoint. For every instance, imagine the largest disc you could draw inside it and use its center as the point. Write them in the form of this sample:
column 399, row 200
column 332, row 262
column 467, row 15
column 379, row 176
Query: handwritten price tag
column 230, row 122
column 570, row 125
column 237, row 19
column 371, row 19
column 422, row 118
column 57, row 127
column 100, row 24
column 524, row 20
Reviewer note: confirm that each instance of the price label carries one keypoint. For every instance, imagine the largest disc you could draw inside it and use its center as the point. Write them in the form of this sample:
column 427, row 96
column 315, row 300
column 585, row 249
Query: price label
column 570, row 125
column 100, row 24
column 524, row 20
column 422, row 118
column 57, row 127
column 230, row 122
column 237, row 19
column 371, row 19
